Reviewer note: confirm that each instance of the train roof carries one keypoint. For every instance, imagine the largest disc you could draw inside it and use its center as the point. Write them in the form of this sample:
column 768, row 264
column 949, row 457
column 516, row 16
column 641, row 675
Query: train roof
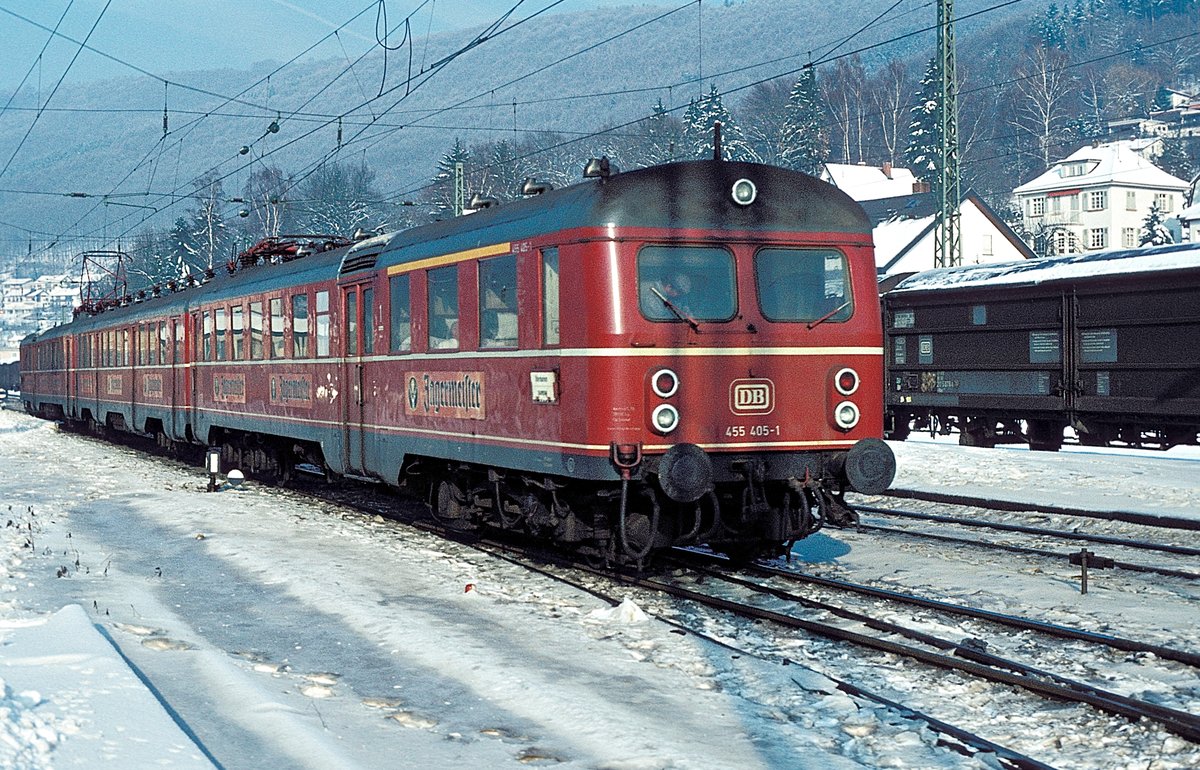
column 686, row 195
column 1068, row 268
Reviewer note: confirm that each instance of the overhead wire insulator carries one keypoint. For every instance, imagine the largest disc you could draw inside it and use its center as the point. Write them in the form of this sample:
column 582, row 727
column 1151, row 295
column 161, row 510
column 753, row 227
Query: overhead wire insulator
column 166, row 124
column 339, row 145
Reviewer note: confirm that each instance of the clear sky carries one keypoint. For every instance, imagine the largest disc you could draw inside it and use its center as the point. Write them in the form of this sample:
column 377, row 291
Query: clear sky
column 164, row 36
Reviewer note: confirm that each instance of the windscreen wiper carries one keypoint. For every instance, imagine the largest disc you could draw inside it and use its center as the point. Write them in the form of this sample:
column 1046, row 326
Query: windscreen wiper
column 830, row 314
column 682, row 316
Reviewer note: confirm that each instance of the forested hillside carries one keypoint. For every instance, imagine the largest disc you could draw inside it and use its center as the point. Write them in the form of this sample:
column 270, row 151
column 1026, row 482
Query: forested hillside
column 181, row 179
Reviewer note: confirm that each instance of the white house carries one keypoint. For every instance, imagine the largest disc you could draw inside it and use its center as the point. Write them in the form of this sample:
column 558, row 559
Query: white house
column 1098, row 198
column 904, row 233
column 867, row 183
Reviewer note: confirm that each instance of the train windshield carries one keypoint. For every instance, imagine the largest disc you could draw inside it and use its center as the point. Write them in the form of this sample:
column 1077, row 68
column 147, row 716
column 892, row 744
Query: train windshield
column 803, row 285
column 686, row 283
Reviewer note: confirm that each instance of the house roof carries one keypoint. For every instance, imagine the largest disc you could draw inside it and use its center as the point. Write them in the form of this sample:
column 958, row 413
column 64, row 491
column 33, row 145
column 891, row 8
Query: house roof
column 901, row 223
column 867, row 183
column 1115, row 163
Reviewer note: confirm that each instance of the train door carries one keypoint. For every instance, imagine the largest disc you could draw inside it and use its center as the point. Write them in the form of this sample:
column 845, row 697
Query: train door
column 175, row 356
column 357, row 337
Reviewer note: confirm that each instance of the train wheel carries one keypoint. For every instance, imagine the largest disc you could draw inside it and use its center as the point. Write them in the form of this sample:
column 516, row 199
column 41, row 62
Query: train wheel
column 976, row 433
column 449, row 506
column 1045, row 436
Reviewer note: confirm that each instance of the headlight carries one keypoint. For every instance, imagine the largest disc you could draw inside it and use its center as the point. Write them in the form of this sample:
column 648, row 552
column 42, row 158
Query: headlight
column 846, row 381
column 664, row 383
column 845, row 415
column 744, row 192
column 665, row 418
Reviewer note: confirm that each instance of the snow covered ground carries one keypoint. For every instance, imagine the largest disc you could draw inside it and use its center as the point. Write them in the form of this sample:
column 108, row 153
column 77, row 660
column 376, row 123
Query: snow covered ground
column 145, row 623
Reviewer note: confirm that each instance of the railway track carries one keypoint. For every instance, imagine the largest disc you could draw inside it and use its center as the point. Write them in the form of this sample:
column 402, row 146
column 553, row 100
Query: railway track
column 1175, row 560
column 1128, row 517
column 880, row 637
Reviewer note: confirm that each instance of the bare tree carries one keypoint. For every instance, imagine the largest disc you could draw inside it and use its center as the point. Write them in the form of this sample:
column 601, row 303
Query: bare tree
column 888, row 92
column 1042, row 95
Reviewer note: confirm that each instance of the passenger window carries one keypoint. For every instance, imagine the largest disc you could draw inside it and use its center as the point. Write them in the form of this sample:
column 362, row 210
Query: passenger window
column 803, row 285
column 300, row 326
column 277, row 328
column 401, row 312
column 351, row 323
column 498, row 302
column 443, row 307
column 322, row 323
column 239, row 334
column 208, row 337
column 256, row 330
column 368, row 321
column 219, row 343
column 680, row 283
column 550, row 296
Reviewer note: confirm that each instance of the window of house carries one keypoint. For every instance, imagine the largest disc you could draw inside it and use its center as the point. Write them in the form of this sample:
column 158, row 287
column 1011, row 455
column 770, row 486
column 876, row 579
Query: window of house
column 368, row 302
column 401, row 314
column 1037, row 207
column 1164, row 202
column 1065, row 242
column 550, row 296
column 443, row 307
column 277, row 328
column 498, row 302
column 1097, row 238
column 322, row 323
column 1056, row 205
column 256, row 330
column 1129, row 237
column 1097, row 200
column 1130, row 200
column 300, row 326
column 986, row 245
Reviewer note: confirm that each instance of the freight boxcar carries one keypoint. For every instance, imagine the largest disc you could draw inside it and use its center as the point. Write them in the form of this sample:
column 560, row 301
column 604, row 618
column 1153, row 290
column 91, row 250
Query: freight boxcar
column 1107, row 344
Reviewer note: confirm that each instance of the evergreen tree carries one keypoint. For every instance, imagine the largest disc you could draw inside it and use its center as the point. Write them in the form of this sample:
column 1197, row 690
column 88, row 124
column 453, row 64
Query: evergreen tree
column 698, row 122
column 1154, row 232
column 925, row 128
column 1174, row 158
column 805, row 138
column 441, row 193
column 663, row 138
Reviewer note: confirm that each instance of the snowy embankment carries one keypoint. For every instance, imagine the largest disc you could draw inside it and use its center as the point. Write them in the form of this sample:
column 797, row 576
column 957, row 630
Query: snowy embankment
column 1102, row 479
column 283, row 633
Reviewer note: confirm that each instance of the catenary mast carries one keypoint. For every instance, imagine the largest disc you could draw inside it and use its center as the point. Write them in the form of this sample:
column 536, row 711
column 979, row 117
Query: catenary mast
column 947, row 248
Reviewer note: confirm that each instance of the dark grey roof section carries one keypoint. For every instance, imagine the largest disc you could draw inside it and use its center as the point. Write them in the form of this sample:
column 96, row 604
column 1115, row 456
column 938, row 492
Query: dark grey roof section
column 1108, row 265
column 693, row 194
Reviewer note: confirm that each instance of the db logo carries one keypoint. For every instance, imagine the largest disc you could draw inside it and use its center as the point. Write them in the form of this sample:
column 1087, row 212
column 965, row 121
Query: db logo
column 752, row 397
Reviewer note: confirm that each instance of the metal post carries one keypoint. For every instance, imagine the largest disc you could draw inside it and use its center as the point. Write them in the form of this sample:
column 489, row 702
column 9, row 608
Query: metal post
column 459, row 189
column 947, row 248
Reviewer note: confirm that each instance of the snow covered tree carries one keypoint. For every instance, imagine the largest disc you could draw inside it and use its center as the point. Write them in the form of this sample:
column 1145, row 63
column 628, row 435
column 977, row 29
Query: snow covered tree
column 337, row 199
column 925, row 127
column 659, row 139
column 805, row 138
column 210, row 233
column 441, row 193
column 698, row 122
column 266, row 202
column 183, row 248
column 1154, row 232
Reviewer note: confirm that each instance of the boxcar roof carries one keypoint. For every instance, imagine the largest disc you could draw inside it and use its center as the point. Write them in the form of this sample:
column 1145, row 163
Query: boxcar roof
column 692, row 195
column 1068, row 268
